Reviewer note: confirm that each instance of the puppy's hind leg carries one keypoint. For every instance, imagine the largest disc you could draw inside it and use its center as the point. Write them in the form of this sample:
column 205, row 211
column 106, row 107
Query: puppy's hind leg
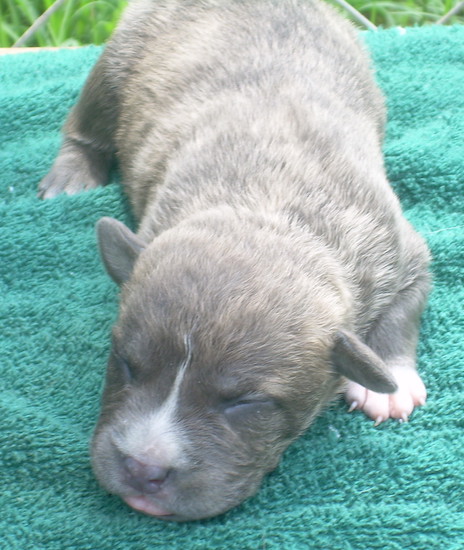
column 394, row 338
column 86, row 154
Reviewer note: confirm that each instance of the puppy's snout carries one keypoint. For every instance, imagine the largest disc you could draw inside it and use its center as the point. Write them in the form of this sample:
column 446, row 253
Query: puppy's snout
column 146, row 478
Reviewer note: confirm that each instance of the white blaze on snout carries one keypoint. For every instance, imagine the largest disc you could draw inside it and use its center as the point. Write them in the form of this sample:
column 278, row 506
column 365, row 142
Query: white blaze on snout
column 156, row 437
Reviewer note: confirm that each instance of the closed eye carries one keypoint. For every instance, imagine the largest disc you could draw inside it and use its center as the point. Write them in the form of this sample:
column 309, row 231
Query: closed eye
column 124, row 368
column 248, row 407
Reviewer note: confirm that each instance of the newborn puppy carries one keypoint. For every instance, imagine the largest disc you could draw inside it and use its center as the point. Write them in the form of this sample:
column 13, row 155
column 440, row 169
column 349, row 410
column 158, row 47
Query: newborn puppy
column 272, row 268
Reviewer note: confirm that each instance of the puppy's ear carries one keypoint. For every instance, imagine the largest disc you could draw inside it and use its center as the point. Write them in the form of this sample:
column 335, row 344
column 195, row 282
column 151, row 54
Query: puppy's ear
column 119, row 248
column 357, row 362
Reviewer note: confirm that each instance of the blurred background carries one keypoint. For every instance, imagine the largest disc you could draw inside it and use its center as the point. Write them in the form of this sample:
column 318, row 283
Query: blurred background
column 80, row 22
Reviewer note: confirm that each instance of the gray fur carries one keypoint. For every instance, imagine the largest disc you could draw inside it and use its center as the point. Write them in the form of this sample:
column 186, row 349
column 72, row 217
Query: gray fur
column 249, row 139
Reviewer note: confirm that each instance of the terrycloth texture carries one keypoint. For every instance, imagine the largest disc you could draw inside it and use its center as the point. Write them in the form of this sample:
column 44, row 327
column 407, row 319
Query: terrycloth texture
column 345, row 484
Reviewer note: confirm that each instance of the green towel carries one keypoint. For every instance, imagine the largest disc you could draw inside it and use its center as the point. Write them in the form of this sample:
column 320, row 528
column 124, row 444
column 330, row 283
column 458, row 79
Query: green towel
column 344, row 484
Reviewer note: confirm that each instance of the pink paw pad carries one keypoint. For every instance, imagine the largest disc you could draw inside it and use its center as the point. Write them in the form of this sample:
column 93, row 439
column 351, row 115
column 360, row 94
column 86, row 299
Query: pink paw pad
column 381, row 406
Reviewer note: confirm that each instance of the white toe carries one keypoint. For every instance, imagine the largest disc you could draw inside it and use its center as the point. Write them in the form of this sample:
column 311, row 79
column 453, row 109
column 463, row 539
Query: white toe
column 377, row 406
column 355, row 395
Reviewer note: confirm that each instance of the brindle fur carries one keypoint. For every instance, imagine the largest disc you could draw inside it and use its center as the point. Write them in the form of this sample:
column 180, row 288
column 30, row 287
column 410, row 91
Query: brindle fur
column 249, row 138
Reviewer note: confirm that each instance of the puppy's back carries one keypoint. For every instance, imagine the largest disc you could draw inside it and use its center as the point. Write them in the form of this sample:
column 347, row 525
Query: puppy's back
column 242, row 67
column 269, row 107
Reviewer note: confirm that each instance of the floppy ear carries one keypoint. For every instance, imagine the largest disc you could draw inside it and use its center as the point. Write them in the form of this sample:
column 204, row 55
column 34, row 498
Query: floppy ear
column 357, row 362
column 119, row 248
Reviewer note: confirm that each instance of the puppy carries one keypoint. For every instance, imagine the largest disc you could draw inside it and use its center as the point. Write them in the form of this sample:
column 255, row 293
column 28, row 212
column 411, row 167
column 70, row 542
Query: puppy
column 272, row 268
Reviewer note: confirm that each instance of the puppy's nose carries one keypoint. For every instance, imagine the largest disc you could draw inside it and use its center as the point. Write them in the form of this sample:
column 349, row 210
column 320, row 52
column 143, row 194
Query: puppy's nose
column 146, row 478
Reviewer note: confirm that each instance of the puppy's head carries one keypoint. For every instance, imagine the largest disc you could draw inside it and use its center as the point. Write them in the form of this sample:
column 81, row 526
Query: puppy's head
column 219, row 360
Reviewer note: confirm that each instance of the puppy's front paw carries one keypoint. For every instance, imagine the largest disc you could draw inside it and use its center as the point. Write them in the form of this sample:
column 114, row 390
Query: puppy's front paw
column 77, row 168
column 381, row 406
column 63, row 179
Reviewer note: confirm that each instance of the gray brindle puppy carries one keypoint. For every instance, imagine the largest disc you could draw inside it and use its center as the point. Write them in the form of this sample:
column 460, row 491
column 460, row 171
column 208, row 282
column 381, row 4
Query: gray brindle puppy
column 272, row 269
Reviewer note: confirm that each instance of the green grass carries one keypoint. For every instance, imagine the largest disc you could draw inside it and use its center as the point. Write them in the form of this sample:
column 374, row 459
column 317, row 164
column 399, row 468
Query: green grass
column 405, row 13
column 77, row 22
column 80, row 22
